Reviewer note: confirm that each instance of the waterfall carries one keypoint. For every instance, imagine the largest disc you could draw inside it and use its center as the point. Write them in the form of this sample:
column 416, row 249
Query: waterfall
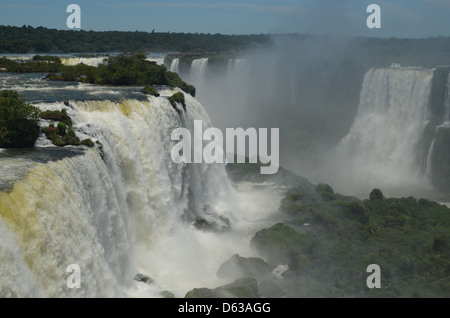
column 381, row 147
column 106, row 208
column 174, row 66
column 198, row 71
column 90, row 61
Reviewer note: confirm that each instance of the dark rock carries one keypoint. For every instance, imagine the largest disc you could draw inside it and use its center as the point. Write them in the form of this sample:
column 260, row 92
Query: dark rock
column 143, row 278
column 211, row 221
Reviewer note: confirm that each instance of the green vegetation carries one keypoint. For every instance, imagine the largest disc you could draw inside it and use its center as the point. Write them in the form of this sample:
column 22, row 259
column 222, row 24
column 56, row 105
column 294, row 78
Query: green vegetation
column 33, row 66
column 329, row 243
column 63, row 134
column 60, row 137
column 88, row 143
column 57, row 115
column 177, row 98
column 150, row 90
column 27, row 39
column 118, row 70
column 18, row 121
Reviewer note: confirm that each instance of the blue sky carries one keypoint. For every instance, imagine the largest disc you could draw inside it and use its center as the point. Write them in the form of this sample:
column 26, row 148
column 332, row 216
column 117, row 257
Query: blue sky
column 399, row 18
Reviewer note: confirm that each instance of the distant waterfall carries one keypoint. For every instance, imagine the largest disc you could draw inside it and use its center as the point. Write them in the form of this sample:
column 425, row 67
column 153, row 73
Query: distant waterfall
column 175, row 65
column 198, row 71
column 382, row 145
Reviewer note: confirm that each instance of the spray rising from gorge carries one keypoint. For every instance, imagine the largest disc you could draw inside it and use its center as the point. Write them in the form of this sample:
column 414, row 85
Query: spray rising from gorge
column 349, row 124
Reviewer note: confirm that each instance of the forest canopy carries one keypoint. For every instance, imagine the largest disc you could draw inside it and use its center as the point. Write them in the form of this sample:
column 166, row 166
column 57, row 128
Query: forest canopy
column 27, row 39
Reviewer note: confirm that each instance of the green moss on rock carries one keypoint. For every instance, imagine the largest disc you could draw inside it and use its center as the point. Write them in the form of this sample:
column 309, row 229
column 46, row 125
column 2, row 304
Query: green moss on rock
column 88, row 143
column 150, row 90
column 177, row 98
column 278, row 243
column 56, row 115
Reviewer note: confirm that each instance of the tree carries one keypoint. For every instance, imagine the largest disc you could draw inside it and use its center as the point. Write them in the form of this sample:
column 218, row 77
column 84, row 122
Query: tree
column 18, row 121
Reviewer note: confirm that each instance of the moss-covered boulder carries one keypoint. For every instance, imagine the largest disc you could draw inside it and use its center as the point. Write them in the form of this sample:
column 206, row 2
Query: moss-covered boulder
column 88, row 143
column 239, row 267
column 177, row 98
column 150, row 90
column 143, row 279
column 277, row 243
column 56, row 115
column 325, row 191
column 60, row 137
column 241, row 288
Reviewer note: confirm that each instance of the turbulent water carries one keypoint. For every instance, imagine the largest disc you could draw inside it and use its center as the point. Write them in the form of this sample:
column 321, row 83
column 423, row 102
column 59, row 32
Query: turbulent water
column 119, row 209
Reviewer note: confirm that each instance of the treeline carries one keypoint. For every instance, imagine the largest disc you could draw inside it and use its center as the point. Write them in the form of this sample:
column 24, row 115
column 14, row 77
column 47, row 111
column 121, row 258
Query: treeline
column 27, row 39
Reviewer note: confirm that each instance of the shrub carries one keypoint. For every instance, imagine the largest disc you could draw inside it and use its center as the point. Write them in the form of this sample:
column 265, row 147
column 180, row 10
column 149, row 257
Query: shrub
column 18, row 121
column 150, row 90
column 57, row 115
column 62, row 129
column 87, row 142
column 177, row 98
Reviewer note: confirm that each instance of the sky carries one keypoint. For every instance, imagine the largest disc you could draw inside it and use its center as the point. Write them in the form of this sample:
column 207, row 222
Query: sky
column 399, row 18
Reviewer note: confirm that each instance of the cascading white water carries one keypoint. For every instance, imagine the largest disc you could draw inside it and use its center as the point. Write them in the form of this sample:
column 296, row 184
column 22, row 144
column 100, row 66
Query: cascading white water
column 112, row 216
column 158, row 60
column 237, row 70
column 198, row 72
column 174, row 66
column 381, row 148
column 90, row 61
